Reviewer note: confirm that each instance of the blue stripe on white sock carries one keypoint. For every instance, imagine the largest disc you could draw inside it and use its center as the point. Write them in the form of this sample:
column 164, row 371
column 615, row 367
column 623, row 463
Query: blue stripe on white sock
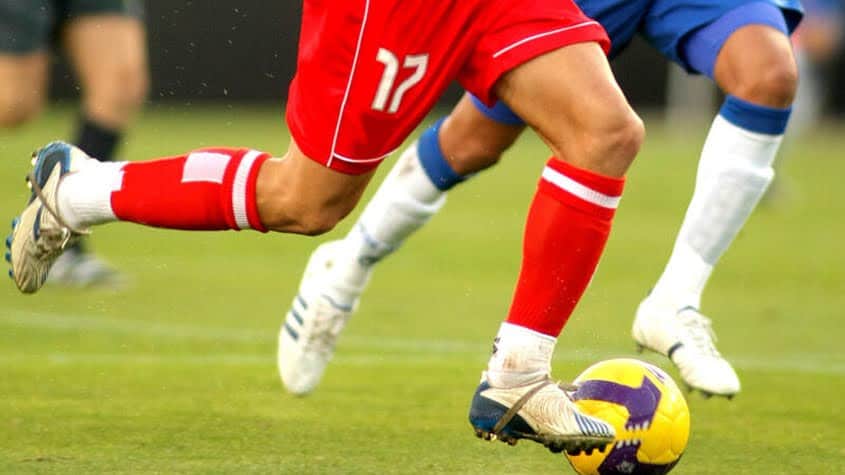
column 753, row 117
column 293, row 333
column 296, row 316
column 301, row 301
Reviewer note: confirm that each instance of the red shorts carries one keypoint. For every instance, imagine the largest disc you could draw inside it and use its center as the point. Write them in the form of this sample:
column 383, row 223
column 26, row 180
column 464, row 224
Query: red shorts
column 369, row 71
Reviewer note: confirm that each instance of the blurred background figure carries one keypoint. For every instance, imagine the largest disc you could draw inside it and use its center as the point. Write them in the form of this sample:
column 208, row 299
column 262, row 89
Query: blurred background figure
column 105, row 43
column 817, row 41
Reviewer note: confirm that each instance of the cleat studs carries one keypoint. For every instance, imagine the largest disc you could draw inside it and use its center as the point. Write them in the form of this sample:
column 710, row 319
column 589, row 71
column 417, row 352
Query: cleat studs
column 483, row 434
column 730, row 397
column 706, row 394
column 15, row 223
column 589, row 451
column 8, row 257
column 11, row 274
column 8, row 242
column 640, row 348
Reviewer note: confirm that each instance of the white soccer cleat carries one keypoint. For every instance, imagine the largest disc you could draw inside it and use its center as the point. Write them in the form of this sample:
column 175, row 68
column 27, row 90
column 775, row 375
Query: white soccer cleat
column 318, row 314
column 540, row 411
column 39, row 236
column 686, row 337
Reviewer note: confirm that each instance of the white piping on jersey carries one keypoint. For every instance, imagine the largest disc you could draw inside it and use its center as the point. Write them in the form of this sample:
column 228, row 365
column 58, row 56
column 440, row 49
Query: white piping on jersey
column 360, row 160
column 541, row 35
column 239, row 189
column 587, row 194
column 349, row 82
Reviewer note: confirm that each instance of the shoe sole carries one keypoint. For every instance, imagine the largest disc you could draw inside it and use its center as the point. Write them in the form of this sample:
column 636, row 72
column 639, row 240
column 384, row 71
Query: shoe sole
column 573, row 445
column 22, row 228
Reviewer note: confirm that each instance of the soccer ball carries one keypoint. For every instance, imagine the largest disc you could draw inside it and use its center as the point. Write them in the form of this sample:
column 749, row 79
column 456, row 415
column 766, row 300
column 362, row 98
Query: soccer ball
column 647, row 410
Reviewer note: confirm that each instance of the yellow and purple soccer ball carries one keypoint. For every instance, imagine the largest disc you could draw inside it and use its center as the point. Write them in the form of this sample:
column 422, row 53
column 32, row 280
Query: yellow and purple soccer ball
column 647, row 410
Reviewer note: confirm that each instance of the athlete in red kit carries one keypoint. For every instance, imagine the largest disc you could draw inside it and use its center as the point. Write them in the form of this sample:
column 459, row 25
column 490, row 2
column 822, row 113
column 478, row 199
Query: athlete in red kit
column 368, row 72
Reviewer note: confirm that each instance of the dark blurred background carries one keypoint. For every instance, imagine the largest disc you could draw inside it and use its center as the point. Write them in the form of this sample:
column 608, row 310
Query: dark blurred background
column 246, row 50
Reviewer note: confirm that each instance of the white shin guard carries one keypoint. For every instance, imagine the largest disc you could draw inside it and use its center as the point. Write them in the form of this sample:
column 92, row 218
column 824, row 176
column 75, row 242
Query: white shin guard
column 733, row 174
column 404, row 202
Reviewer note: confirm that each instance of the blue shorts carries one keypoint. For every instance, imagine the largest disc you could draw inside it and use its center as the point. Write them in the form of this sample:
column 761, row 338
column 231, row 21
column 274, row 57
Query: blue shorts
column 28, row 26
column 665, row 24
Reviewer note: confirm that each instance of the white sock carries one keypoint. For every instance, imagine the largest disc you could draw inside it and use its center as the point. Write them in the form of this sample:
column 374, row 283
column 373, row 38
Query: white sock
column 520, row 356
column 733, row 173
column 84, row 196
column 404, row 202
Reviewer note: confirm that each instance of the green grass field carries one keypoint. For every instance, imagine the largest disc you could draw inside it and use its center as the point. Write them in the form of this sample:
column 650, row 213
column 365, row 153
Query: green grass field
column 176, row 374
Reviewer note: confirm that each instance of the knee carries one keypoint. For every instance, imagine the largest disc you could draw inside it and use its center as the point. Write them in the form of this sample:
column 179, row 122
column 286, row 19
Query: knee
column 757, row 64
column 17, row 109
column 474, row 154
column 612, row 142
column 472, row 144
column 119, row 92
column 772, row 86
column 130, row 86
column 136, row 86
column 627, row 137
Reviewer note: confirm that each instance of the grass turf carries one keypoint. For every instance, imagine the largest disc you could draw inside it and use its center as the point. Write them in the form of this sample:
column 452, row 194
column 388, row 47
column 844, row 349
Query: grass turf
column 177, row 372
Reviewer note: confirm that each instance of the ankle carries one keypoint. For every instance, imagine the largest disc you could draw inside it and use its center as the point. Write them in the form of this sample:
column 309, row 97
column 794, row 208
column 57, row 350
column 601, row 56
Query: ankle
column 520, row 357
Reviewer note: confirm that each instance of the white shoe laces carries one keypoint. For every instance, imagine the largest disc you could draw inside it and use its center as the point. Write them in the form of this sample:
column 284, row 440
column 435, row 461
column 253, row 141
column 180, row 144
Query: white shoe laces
column 698, row 331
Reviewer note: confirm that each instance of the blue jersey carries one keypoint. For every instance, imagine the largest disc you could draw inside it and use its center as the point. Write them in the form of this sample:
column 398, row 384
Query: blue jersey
column 666, row 23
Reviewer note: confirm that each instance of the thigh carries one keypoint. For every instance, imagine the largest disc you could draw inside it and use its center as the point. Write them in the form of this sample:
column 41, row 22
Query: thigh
column 619, row 18
column 523, row 30
column 569, row 97
column 106, row 47
column 23, row 85
column 669, row 23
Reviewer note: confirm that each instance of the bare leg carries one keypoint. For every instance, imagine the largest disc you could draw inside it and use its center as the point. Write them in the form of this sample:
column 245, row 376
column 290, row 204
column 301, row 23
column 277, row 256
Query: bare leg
column 110, row 57
column 24, row 87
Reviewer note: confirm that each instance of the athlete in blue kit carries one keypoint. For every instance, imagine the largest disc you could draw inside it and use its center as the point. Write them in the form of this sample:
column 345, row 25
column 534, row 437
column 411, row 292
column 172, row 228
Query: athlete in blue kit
column 742, row 45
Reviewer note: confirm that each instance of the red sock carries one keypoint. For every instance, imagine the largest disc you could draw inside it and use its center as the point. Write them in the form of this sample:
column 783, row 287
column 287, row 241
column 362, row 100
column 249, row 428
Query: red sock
column 208, row 189
column 567, row 228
